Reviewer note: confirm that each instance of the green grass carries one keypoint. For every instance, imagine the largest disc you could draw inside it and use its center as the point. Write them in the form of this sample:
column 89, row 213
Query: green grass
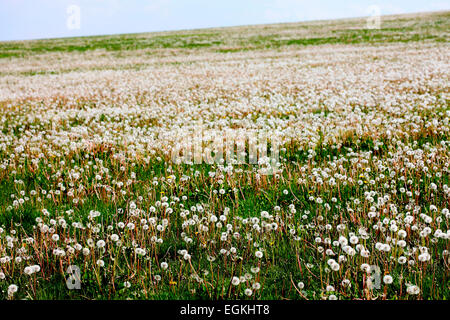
column 302, row 198
column 433, row 27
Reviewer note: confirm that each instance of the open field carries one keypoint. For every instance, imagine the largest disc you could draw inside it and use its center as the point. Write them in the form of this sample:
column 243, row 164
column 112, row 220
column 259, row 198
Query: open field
column 351, row 202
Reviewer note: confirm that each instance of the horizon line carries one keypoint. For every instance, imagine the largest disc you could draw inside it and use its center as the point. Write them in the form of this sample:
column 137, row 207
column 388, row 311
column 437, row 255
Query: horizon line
column 222, row 27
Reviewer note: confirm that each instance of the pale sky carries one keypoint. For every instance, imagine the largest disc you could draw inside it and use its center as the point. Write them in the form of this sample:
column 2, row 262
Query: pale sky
column 33, row 19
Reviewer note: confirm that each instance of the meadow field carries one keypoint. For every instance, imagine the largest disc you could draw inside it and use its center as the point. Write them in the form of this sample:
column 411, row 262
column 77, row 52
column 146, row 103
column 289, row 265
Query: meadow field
column 287, row 161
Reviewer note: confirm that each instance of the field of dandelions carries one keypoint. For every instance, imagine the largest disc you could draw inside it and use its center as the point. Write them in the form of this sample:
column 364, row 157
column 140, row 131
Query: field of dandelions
column 357, row 206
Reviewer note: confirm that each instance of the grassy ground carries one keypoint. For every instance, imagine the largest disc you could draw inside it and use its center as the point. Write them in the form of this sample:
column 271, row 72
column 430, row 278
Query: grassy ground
column 405, row 28
column 360, row 193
